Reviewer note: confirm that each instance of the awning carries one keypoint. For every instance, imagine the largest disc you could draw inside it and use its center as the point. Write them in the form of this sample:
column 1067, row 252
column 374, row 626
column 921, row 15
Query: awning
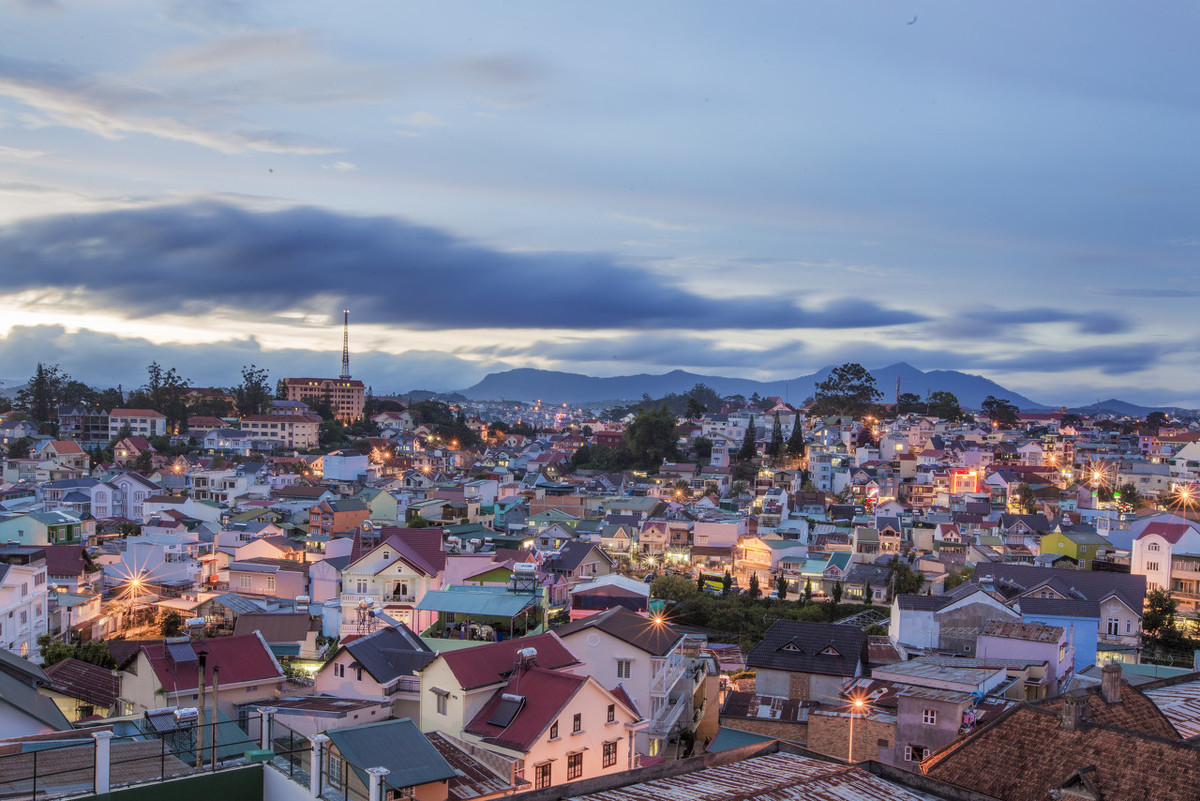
column 480, row 603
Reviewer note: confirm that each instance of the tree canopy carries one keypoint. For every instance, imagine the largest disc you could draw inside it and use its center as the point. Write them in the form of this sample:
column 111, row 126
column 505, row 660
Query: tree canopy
column 651, row 437
column 1001, row 412
column 848, row 391
column 254, row 393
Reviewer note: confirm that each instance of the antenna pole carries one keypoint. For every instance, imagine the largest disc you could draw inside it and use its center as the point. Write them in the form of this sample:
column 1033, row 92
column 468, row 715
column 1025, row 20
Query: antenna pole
column 345, row 343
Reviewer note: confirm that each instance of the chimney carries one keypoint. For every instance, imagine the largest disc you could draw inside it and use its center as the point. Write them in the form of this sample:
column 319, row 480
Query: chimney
column 1072, row 711
column 1110, row 683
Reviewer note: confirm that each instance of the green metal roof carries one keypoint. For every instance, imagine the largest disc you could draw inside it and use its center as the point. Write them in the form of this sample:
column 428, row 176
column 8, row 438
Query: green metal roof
column 480, row 601
column 397, row 745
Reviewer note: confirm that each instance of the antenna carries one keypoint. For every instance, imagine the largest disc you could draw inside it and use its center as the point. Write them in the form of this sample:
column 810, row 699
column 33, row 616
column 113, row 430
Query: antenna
column 897, row 394
column 345, row 343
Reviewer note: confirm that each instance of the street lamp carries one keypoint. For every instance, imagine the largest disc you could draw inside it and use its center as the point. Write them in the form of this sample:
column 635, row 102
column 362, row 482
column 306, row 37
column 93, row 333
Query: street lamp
column 856, row 706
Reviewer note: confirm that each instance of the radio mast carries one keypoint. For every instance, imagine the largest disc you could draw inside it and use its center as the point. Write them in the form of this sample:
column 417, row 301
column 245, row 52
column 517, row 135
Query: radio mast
column 345, row 343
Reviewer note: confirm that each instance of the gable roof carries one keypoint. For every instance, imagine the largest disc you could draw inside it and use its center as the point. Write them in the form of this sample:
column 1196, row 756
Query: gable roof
column 544, row 692
column 397, row 745
column 492, row 663
column 804, row 647
column 1088, row 585
column 89, row 683
column 390, row 652
column 572, row 554
column 241, row 658
column 1171, row 532
column 275, row 627
column 654, row 637
column 421, row 548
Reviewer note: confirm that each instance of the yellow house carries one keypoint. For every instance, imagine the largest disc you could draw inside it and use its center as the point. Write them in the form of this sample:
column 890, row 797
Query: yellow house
column 1082, row 546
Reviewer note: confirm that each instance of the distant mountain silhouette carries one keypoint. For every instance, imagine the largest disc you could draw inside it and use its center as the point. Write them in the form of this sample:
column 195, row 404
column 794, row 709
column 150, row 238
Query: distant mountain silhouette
column 558, row 387
column 1120, row 407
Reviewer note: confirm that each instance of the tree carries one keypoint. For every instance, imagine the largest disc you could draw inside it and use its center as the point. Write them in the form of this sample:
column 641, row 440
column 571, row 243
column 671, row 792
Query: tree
column 749, row 448
column 700, row 583
column 171, row 623
column 781, row 587
column 43, row 393
column 795, row 443
column 695, row 408
column 94, row 652
column 945, row 405
column 909, row 403
column 417, row 521
column 1023, row 498
column 867, row 593
column 726, row 583
column 837, row 593
column 702, row 448
column 738, row 488
column 1001, row 412
column 808, row 592
column 673, row 588
column 163, row 392
column 19, row 448
column 1156, row 420
column 1129, row 495
column 651, row 438
column 775, row 447
column 254, row 393
column 959, row 577
column 903, row 580
column 753, row 590
column 1158, row 621
column 848, row 391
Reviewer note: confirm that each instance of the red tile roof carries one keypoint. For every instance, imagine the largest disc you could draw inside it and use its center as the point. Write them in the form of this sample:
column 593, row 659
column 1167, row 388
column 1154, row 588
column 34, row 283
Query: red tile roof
column 492, row 663
column 65, row 560
column 420, row 547
column 136, row 413
column 546, row 693
column 89, row 683
column 241, row 658
column 1171, row 532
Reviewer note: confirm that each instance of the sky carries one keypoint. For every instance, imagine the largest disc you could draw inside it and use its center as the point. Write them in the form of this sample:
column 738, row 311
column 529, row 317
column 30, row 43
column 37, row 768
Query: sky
column 754, row 189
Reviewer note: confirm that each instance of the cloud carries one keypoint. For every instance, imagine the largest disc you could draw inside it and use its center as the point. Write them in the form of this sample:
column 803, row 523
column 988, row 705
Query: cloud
column 982, row 322
column 109, row 110
column 102, row 359
column 341, row 166
column 203, row 256
column 662, row 350
column 17, row 154
column 661, row 225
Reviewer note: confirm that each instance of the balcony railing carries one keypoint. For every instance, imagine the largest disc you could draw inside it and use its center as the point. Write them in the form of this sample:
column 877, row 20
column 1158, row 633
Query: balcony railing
column 667, row 677
column 670, row 714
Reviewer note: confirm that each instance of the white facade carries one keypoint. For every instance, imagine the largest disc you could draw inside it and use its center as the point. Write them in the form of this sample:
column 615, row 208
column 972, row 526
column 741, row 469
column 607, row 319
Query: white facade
column 23, row 608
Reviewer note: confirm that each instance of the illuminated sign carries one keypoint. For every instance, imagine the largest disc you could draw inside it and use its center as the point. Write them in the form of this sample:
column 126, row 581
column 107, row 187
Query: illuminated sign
column 964, row 481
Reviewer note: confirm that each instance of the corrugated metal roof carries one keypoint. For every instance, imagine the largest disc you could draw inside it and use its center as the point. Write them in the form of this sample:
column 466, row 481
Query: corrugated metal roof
column 774, row 777
column 1181, row 704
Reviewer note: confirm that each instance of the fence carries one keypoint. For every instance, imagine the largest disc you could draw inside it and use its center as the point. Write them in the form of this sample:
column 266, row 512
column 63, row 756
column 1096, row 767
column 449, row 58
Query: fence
column 162, row 746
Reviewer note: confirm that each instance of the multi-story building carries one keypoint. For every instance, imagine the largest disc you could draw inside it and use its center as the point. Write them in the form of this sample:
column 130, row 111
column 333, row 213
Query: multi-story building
column 140, row 422
column 23, row 599
column 1168, row 555
column 646, row 659
column 88, row 427
column 297, row 431
column 345, row 396
column 393, row 577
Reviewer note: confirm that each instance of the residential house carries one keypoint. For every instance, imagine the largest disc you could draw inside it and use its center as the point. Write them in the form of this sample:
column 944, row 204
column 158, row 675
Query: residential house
column 167, row 673
column 412, row 768
column 24, row 709
column 269, row 578
column 337, row 517
column 1039, row 642
column 384, row 665
column 23, row 599
column 579, row 561
column 647, row 660
column 1168, row 555
column 393, row 577
column 1082, row 547
column 82, row 690
column 808, row 661
column 42, row 528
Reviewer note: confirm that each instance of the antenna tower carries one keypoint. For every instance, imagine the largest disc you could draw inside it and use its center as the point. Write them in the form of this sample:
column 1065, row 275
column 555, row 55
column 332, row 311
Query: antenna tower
column 897, row 394
column 345, row 343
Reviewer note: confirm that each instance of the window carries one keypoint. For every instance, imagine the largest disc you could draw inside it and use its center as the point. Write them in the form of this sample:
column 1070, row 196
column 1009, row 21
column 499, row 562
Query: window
column 929, row 717
column 244, row 581
column 610, row 754
column 271, row 583
column 612, row 713
column 1152, row 567
column 554, row 730
column 541, row 776
column 1114, row 627
column 577, row 723
column 339, row 670
column 574, row 765
column 913, row 753
column 335, row 770
column 1128, row 626
column 624, row 668
column 1152, row 546
column 441, row 704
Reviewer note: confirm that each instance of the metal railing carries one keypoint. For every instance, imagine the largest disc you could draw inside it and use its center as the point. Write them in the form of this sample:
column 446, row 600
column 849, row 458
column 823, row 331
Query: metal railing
column 74, row 763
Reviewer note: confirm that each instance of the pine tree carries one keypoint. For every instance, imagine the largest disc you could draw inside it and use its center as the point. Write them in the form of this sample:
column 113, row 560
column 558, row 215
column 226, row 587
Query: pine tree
column 776, row 446
column 781, row 586
column 748, row 447
column 795, row 443
column 753, row 589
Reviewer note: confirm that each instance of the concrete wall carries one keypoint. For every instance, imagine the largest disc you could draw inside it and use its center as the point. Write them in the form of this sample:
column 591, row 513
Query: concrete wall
column 829, row 734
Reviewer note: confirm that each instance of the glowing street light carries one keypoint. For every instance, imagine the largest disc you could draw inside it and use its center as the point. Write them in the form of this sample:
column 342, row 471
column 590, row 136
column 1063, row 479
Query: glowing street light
column 857, row 705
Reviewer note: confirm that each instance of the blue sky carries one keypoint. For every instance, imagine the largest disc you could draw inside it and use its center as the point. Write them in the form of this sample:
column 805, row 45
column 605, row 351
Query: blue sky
column 752, row 190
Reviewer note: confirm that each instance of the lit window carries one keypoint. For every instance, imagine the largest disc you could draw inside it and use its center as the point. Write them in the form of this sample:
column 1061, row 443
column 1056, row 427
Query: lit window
column 574, row 765
column 610, row 754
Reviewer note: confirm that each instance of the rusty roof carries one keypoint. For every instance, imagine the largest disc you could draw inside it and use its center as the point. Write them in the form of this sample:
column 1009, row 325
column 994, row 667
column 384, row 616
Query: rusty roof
column 774, row 777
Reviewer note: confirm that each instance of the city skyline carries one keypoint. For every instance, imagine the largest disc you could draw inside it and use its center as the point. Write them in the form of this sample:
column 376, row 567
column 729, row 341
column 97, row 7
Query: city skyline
column 750, row 192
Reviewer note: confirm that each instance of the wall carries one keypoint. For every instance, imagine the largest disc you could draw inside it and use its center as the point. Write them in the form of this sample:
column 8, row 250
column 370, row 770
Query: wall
column 829, row 734
column 241, row 784
column 779, row 729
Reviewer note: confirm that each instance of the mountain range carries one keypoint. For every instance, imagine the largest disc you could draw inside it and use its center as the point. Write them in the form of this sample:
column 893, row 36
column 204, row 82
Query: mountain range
column 577, row 389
